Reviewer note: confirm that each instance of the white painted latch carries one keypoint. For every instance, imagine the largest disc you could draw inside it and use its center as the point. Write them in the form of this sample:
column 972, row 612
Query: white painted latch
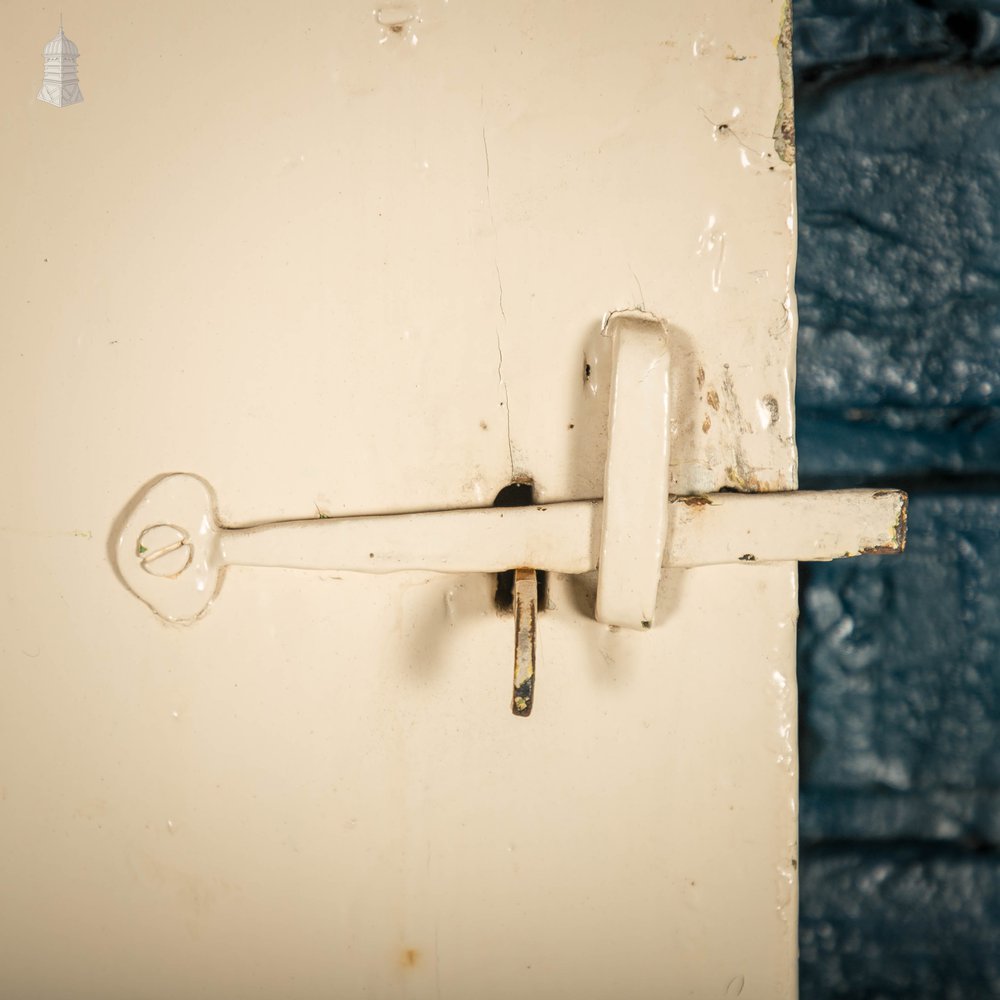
column 636, row 477
column 172, row 552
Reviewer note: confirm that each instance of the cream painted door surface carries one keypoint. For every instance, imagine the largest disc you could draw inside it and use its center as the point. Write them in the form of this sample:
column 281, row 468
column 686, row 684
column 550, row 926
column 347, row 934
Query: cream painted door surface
column 339, row 261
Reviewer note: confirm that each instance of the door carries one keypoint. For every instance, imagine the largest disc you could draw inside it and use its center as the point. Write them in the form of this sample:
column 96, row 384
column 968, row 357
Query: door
column 337, row 261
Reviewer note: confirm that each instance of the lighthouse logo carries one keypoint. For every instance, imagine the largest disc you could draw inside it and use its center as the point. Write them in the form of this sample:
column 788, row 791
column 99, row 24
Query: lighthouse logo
column 60, row 85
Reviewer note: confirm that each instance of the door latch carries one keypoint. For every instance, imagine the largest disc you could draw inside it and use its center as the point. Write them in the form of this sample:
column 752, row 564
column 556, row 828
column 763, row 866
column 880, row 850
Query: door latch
column 172, row 552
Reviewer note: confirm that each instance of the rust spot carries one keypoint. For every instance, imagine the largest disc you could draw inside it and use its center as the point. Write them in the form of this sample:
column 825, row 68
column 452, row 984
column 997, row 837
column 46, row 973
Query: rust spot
column 879, row 550
column 409, row 957
column 483, row 425
column 701, row 376
column 784, row 125
column 712, row 399
column 882, row 493
column 692, row 501
column 748, row 557
column 586, row 370
column 706, row 424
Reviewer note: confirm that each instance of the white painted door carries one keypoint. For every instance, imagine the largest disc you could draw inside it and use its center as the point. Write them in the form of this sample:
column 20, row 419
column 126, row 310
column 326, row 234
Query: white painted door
column 338, row 261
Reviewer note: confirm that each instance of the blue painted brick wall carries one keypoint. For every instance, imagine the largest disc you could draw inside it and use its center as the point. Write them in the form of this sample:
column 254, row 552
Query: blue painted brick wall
column 898, row 123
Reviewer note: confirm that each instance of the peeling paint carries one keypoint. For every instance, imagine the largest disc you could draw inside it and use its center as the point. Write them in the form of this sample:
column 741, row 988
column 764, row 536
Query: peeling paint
column 740, row 472
column 743, row 476
column 784, row 125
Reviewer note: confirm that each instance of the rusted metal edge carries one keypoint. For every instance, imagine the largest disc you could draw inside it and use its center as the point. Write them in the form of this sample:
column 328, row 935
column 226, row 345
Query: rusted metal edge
column 898, row 540
column 525, row 640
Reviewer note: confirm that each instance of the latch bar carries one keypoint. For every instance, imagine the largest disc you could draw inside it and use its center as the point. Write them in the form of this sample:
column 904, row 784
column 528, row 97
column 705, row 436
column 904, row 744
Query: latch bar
column 565, row 537
column 560, row 537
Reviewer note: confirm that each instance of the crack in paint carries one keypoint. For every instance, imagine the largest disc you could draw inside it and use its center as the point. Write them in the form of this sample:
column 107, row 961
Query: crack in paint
column 642, row 296
column 506, row 396
column 493, row 225
column 503, row 314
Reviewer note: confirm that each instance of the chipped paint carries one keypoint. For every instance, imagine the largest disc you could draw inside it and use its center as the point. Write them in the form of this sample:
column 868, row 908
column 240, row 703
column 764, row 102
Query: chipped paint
column 741, row 473
column 897, row 540
column 743, row 476
column 784, row 125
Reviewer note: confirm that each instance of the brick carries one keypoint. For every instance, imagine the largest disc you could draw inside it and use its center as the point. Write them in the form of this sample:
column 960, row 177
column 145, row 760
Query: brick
column 933, row 815
column 849, row 32
column 887, row 445
column 898, row 659
column 899, row 255
column 902, row 923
